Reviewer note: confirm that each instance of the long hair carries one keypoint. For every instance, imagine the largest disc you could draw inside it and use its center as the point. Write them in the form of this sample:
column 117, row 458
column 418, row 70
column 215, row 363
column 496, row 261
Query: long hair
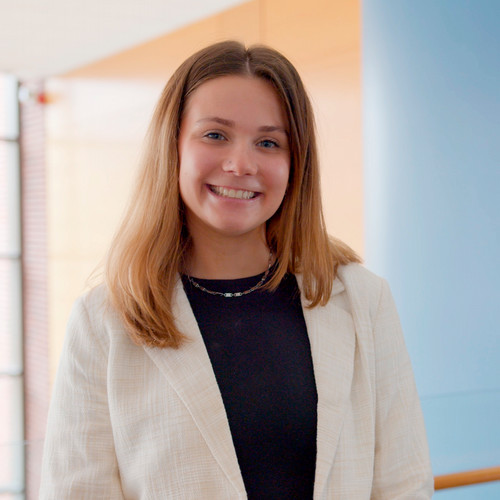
column 146, row 255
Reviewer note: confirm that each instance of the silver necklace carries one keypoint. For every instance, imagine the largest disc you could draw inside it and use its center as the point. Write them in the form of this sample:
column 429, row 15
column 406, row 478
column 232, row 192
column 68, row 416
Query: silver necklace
column 235, row 294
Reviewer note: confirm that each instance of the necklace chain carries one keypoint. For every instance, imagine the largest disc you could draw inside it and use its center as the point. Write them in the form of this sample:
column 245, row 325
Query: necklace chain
column 235, row 294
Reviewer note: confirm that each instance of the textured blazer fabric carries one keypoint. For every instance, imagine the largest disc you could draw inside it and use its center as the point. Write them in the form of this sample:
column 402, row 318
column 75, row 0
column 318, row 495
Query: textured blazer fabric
column 132, row 422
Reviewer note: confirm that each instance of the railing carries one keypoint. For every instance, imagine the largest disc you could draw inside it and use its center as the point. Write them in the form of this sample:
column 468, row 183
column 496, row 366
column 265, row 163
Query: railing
column 467, row 477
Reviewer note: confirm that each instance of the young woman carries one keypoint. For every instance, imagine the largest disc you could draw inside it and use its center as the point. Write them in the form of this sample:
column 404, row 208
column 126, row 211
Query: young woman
column 235, row 350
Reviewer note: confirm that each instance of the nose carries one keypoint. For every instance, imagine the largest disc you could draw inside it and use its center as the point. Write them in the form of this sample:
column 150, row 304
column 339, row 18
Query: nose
column 240, row 161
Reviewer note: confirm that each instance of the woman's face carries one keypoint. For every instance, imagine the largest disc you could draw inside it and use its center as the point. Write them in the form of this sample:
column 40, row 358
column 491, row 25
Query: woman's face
column 234, row 157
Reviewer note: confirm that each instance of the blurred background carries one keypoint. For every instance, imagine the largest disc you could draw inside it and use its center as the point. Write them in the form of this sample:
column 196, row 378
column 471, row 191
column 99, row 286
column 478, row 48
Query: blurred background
column 407, row 103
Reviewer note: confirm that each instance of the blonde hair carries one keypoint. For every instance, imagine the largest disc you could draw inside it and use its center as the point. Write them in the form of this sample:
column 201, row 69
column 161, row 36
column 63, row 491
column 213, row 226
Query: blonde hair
column 146, row 255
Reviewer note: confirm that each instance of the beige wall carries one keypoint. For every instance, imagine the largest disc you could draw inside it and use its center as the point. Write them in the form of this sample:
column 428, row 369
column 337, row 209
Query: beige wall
column 99, row 113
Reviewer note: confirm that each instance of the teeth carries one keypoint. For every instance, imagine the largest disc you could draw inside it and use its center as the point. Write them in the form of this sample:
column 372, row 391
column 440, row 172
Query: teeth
column 233, row 193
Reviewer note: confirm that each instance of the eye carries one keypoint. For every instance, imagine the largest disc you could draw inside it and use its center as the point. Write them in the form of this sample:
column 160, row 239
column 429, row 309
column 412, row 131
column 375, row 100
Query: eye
column 268, row 144
column 216, row 136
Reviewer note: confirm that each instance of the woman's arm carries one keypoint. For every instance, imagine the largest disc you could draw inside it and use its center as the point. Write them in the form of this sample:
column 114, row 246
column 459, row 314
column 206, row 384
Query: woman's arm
column 79, row 459
column 402, row 465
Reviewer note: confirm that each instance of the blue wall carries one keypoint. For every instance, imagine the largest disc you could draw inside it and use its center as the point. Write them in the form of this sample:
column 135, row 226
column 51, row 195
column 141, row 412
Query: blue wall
column 431, row 89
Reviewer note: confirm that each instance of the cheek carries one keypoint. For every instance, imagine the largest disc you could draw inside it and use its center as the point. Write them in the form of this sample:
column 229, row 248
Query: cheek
column 182, row 185
column 280, row 176
column 195, row 165
column 189, row 173
column 188, row 180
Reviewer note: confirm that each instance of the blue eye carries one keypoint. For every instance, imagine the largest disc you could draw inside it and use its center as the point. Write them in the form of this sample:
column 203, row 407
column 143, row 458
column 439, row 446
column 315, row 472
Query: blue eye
column 268, row 144
column 215, row 135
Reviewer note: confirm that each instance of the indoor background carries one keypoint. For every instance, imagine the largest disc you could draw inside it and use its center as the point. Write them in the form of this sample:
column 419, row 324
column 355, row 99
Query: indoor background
column 406, row 96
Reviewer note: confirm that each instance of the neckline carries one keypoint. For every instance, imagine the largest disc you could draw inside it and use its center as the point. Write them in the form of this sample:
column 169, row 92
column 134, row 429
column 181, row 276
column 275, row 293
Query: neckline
column 229, row 285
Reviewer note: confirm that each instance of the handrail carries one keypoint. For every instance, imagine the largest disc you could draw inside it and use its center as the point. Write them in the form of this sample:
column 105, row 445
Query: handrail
column 467, row 477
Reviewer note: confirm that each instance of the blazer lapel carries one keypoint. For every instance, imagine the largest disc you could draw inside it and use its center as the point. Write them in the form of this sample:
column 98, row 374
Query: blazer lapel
column 189, row 371
column 332, row 337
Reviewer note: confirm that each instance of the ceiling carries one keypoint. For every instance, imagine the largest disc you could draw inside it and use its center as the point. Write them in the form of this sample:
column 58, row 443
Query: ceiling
column 42, row 38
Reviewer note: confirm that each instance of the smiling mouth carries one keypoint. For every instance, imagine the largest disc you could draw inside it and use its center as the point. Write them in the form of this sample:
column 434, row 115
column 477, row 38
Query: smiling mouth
column 238, row 194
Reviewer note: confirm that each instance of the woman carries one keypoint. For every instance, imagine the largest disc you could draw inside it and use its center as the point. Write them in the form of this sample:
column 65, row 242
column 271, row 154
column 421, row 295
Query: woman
column 236, row 350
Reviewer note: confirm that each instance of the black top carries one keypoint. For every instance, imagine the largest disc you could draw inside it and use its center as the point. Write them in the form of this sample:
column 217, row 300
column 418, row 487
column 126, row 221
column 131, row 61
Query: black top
column 261, row 357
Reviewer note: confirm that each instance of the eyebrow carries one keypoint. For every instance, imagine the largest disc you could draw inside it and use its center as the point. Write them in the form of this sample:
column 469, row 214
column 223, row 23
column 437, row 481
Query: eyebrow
column 231, row 123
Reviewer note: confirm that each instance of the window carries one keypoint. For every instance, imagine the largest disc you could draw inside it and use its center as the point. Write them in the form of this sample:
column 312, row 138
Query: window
column 11, row 328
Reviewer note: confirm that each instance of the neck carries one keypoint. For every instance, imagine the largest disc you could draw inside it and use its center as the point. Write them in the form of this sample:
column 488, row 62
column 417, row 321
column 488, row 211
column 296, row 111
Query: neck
column 227, row 258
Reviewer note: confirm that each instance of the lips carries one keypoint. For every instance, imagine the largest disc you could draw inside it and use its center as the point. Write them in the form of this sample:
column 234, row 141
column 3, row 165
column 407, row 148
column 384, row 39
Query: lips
column 238, row 194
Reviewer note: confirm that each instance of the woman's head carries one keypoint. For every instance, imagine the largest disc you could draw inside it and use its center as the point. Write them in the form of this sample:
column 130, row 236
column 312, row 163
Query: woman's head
column 216, row 61
column 234, row 160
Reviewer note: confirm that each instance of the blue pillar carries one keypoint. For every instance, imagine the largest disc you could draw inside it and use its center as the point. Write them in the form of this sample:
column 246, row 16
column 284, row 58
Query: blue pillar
column 431, row 90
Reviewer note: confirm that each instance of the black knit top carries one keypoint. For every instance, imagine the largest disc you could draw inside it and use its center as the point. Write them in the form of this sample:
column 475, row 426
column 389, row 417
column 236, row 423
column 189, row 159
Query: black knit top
column 261, row 357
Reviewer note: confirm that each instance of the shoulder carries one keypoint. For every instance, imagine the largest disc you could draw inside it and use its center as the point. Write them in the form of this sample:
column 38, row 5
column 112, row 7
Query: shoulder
column 93, row 304
column 94, row 317
column 359, row 280
column 364, row 289
column 97, row 298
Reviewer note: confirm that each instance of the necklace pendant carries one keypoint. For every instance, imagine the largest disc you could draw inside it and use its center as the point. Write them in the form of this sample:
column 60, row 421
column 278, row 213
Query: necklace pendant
column 235, row 294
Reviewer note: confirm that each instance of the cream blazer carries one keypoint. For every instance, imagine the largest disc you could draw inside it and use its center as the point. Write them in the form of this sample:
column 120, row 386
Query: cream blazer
column 132, row 422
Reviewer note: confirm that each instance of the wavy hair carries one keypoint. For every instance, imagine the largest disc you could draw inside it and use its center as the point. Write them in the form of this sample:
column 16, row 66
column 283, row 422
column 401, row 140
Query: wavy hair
column 146, row 255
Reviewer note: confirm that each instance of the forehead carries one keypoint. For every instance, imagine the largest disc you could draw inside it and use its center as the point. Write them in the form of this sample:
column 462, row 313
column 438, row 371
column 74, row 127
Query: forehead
column 237, row 96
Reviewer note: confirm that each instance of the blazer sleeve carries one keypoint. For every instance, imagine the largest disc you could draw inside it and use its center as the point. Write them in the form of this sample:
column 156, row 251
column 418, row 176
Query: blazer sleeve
column 79, row 459
column 402, row 466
